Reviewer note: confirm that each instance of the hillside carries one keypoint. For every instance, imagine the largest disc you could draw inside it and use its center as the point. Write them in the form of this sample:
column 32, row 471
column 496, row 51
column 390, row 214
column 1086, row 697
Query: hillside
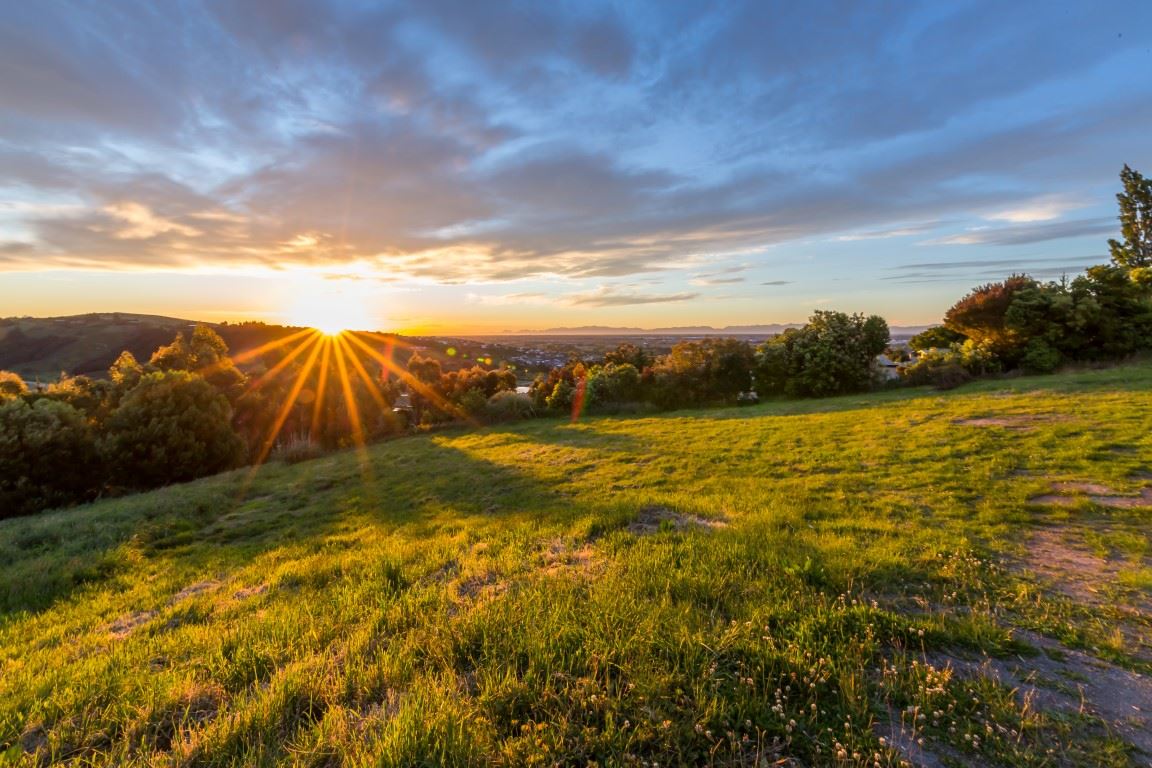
column 820, row 582
column 41, row 348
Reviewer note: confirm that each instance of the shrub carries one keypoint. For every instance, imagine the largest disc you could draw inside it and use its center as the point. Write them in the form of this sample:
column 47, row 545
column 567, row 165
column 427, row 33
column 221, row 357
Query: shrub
column 11, row 385
column 473, row 401
column 936, row 367
column 297, row 449
column 509, row 406
column 172, row 427
column 1040, row 357
column 48, row 457
column 560, row 400
column 611, row 384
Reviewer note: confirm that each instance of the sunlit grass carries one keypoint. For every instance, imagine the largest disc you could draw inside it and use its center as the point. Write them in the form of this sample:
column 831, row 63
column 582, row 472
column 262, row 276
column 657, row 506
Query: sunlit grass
column 480, row 598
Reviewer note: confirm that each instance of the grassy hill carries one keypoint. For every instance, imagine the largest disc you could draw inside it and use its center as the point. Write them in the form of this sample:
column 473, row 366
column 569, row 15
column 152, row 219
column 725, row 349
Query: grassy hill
column 42, row 348
column 910, row 576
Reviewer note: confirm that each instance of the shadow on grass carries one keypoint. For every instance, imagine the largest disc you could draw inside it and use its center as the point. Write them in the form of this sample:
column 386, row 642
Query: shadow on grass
column 413, row 487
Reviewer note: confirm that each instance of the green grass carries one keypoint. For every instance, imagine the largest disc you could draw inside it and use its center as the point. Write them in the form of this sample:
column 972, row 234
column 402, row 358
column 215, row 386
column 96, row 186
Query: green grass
column 479, row 597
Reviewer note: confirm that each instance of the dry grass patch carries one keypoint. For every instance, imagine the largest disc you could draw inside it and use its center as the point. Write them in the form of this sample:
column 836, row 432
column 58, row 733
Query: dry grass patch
column 1010, row 421
column 561, row 557
column 654, row 518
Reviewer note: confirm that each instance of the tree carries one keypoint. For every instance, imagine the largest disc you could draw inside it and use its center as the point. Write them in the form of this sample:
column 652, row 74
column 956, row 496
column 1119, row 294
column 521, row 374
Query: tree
column 87, row 395
column 1135, row 252
column 833, row 354
column 936, row 337
column 425, row 387
column 628, row 354
column 172, row 427
column 612, row 384
column 205, row 354
column 125, row 373
column 11, row 385
column 47, row 456
column 701, row 372
column 981, row 316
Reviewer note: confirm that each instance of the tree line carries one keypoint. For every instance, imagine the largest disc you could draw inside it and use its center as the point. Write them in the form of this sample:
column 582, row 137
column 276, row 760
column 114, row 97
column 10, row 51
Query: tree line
column 1022, row 324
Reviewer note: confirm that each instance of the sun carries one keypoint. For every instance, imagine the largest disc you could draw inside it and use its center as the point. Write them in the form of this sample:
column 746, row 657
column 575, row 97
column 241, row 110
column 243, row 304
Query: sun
column 330, row 308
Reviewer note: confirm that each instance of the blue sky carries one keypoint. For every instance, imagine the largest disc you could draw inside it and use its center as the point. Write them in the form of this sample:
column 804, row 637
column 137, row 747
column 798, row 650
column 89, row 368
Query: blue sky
column 450, row 165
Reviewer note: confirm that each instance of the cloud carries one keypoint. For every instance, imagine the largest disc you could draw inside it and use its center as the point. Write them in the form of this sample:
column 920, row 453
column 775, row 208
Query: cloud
column 975, row 264
column 500, row 300
column 886, row 234
column 1024, row 234
column 606, row 296
column 985, row 270
column 141, row 223
column 454, row 142
column 1044, row 208
column 717, row 280
column 777, row 282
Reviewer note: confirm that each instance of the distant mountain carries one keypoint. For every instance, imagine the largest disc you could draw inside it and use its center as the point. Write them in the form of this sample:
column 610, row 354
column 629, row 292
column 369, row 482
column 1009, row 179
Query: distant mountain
column 770, row 329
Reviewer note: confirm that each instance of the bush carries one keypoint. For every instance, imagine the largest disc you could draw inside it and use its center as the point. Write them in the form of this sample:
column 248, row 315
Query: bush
column 509, row 406
column 1040, row 357
column 560, row 400
column 11, row 385
column 939, row 368
column 298, row 449
column 48, row 457
column 473, row 401
column 172, row 427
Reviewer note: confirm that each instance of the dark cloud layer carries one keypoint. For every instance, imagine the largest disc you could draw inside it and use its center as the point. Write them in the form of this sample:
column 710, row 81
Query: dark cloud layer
column 459, row 141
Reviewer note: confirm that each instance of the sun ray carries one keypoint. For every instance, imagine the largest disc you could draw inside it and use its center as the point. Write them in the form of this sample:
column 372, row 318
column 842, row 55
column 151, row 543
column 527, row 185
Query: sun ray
column 286, row 408
column 230, row 360
column 369, row 382
column 353, row 409
column 248, row 354
column 275, row 370
column 321, row 388
column 411, row 381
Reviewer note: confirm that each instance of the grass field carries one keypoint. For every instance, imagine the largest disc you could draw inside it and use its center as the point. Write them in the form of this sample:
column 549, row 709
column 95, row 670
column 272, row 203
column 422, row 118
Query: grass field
column 957, row 578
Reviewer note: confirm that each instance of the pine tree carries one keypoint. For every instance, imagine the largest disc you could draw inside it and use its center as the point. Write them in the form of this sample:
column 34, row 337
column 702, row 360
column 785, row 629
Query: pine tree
column 1135, row 222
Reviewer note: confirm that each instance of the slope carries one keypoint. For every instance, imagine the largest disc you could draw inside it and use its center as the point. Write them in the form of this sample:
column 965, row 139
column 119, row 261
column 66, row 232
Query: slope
column 853, row 580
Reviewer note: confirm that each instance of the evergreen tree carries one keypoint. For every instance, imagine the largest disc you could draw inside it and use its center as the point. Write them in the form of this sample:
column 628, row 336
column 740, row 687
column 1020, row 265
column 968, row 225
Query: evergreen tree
column 1135, row 253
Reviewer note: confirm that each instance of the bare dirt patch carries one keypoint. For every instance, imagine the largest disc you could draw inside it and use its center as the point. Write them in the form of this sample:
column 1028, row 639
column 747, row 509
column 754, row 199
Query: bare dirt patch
column 561, row 557
column 1008, row 421
column 1096, row 493
column 1064, row 680
column 1068, row 565
column 654, row 518
column 192, row 590
column 247, row 592
column 127, row 624
column 1094, row 489
column 481, row 587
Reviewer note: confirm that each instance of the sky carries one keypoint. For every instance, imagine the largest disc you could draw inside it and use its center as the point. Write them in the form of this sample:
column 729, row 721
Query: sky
column 449, row 166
